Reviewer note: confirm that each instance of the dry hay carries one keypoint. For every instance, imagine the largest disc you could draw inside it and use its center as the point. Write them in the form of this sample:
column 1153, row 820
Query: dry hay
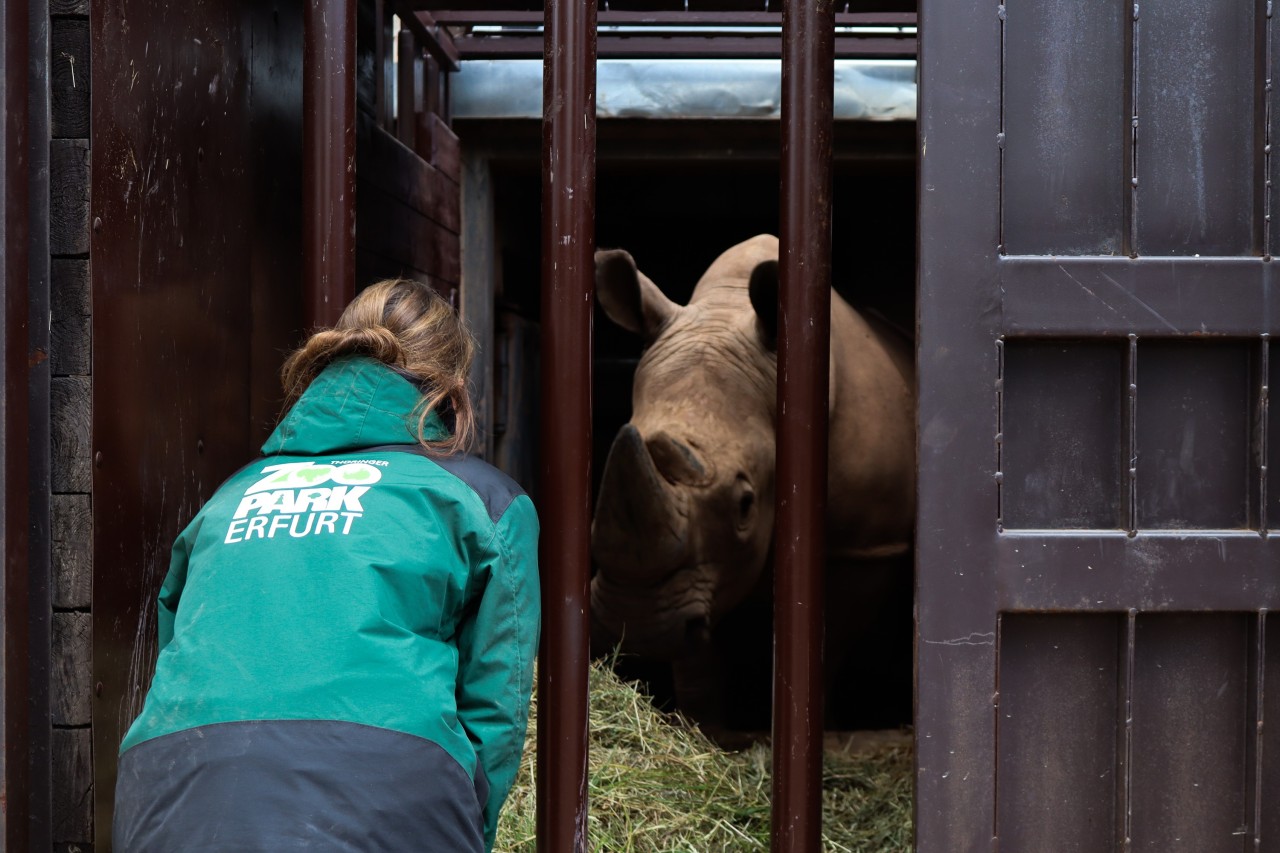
column 657, row 785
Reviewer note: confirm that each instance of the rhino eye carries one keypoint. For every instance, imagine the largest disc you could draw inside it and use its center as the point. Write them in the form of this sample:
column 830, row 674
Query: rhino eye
column 746, row 502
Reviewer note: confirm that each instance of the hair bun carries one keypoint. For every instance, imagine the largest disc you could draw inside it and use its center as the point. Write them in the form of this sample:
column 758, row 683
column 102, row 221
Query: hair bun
column 405, row 325
column 376, row 341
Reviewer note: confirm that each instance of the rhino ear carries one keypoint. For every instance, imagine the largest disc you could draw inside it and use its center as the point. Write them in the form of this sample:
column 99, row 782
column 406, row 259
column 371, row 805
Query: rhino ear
column 764, row 299
column 628, row 297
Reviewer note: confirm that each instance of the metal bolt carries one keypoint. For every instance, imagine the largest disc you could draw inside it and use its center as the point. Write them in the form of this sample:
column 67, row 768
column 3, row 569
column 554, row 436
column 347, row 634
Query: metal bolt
column 199, row 445
column 97, row 459
column 97, row 224
column 97, row 689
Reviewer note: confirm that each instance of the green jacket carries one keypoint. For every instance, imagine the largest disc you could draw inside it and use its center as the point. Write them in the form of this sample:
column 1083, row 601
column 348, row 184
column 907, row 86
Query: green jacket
column 333, row 582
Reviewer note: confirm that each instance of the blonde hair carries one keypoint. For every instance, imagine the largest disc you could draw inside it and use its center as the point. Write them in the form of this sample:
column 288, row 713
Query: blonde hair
column 407, row 326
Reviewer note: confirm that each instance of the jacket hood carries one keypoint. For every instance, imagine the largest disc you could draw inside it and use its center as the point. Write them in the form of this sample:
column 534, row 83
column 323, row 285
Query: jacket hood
column 355, row 402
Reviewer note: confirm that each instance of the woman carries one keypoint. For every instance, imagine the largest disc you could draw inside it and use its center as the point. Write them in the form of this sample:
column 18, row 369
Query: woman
column 348, row 626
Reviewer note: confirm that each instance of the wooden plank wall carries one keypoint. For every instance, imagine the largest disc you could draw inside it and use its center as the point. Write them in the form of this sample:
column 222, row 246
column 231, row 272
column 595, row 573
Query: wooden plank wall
column 407, row 208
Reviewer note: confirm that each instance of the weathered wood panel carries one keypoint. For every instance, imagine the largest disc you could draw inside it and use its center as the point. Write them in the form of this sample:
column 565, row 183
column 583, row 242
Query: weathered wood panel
column 71, row 681
column 72, row 785
column 386, row 163
column 69, row 324
column 71, row 412
column 72, row 551
column 387, row 226
column 479, row 284
column 372, row 267
column 69, row 197
column 275, row 274
column 69, row 80
column 446, row 152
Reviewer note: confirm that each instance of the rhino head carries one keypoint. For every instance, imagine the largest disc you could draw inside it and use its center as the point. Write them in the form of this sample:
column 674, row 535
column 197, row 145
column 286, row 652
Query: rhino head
column 684, row 518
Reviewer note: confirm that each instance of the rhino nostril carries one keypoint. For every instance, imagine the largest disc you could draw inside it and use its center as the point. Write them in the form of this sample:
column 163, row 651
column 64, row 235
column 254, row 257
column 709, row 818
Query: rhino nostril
column 697, row 631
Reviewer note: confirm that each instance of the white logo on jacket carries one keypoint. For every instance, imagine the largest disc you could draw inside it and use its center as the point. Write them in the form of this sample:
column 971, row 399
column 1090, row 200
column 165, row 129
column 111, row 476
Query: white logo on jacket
column 292, row 498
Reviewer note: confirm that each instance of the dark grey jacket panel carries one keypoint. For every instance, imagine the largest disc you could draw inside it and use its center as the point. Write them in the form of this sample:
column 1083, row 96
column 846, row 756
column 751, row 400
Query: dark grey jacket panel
column 294, row 785
column 494, row 487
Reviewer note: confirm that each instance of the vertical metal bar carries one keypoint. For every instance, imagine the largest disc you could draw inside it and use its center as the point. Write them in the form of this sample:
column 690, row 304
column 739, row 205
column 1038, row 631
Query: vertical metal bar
column 1257, row 691
column 1000, row 435
column 383, row 111
column 804, row 330
column 422, row 112
column 1262, row 122
column 1002, row 14
column 1130, row 425
column 406, row 118
column 39, row 436
column 328, row 160
column 1131, row 233
column 1124, row 789
column 1264, row 426
column 568, row 281
column 14, row 519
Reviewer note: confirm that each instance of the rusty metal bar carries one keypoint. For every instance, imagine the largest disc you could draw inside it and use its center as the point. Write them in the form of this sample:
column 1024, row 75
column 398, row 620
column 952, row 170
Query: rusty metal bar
column 14, row 519
column 804, row 330
column 736, row 45
column 328, row 160
column 463, row 17
column 423, row 79
column 438, row 41
column 383, row 78
column 568, row 278
column 39, row 432
column 406, row 106
column 433, row 38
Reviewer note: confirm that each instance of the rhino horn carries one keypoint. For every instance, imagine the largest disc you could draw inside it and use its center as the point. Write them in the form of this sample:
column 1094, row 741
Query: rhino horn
column 640, row 531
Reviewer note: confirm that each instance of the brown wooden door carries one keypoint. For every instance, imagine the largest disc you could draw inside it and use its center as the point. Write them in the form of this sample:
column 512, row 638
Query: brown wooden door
column 1095, row 564
column 196, row 293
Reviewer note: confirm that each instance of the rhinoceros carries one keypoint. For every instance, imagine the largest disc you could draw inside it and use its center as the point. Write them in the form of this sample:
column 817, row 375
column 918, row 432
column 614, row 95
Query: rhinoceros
column 684, row 518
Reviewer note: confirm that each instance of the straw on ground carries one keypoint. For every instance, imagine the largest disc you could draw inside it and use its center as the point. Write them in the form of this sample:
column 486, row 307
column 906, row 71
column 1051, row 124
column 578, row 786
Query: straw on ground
column 657, row 785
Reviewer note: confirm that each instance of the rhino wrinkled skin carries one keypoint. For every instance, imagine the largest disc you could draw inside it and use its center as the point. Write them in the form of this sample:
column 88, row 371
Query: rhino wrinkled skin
column 684, row 519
